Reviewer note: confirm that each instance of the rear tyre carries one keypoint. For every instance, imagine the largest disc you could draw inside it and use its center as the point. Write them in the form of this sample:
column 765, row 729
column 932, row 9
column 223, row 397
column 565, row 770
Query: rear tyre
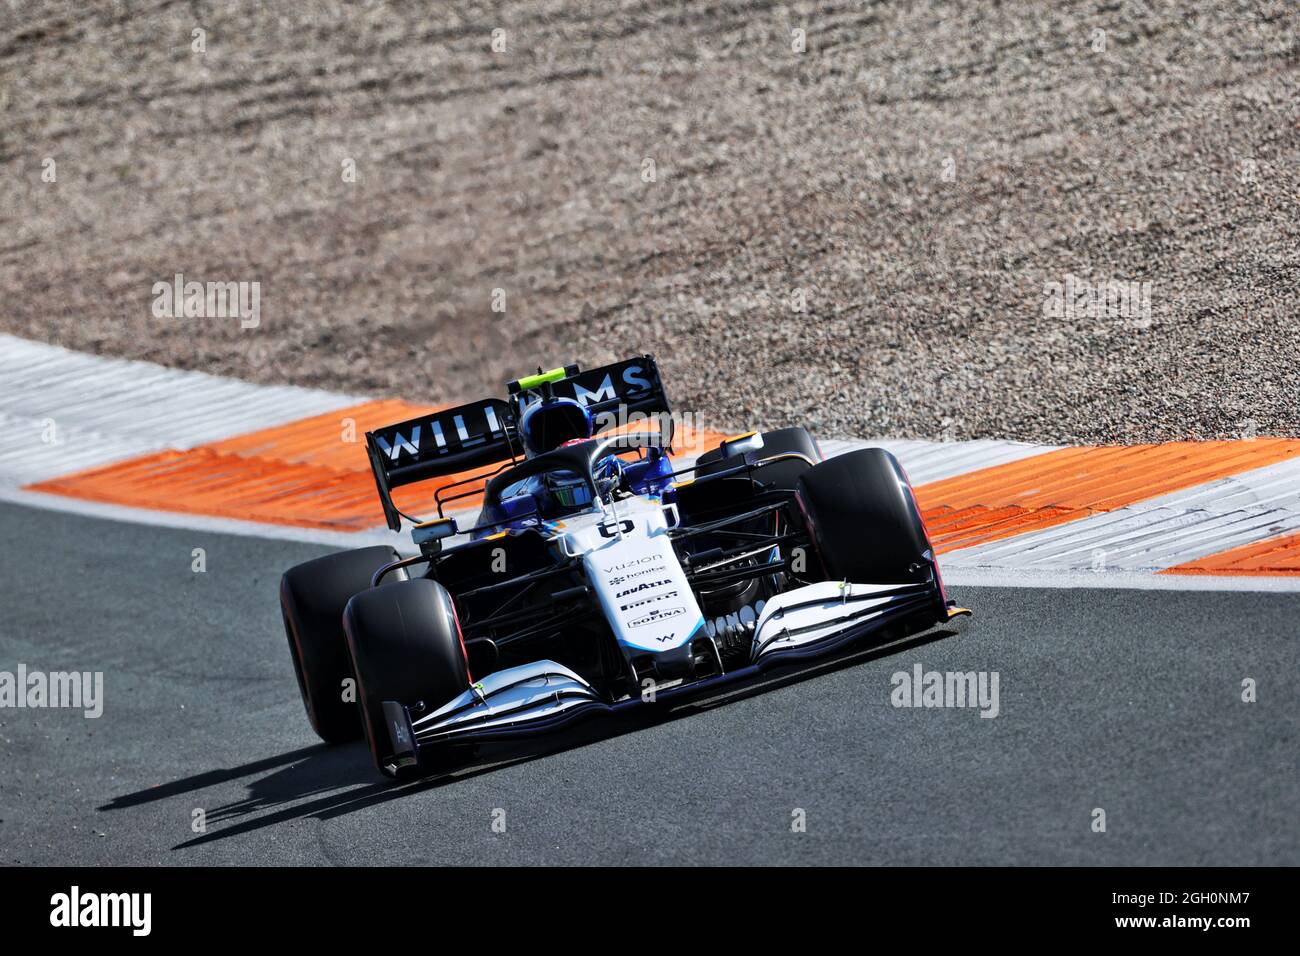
column 312, row 598
column 864, row 519
column 405, row 645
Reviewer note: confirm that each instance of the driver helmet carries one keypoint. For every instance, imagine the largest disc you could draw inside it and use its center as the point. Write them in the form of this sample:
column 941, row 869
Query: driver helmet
column 553, row 421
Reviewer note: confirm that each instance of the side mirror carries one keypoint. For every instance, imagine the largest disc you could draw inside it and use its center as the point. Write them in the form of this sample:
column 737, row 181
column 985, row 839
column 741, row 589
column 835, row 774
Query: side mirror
column 429, row 534
column 739, row 444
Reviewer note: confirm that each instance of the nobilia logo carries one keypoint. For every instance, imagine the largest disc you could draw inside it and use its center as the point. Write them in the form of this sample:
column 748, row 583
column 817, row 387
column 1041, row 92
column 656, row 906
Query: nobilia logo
column 643, row 587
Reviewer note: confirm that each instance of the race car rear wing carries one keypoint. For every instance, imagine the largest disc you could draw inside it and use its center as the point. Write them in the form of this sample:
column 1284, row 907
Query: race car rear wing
column 479, row 434
column 611, row 393
column 439, row 444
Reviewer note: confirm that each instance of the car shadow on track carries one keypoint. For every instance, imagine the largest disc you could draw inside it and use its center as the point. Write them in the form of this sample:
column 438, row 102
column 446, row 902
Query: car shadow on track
column 313, row 774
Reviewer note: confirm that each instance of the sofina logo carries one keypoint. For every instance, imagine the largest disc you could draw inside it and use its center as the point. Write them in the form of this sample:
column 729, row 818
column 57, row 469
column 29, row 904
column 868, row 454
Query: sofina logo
column 657, row 615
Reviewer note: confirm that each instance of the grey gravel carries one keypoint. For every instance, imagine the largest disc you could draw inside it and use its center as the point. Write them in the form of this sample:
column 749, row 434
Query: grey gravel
column 1169, row 156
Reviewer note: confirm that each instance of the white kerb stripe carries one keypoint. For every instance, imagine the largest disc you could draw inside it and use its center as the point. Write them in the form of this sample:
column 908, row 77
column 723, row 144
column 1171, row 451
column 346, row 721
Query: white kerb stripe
column 62, row 411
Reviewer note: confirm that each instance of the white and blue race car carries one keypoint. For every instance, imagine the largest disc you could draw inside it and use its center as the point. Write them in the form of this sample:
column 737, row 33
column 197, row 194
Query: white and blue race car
column 598, row 575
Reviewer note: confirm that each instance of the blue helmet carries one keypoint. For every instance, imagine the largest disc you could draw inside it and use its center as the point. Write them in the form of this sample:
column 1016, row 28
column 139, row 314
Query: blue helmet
column 548, row 424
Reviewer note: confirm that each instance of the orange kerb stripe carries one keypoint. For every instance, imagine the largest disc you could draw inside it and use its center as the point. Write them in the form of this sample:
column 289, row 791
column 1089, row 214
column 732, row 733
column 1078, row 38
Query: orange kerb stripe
column 1274, row 556
column 311, row 473
column 1059, row 486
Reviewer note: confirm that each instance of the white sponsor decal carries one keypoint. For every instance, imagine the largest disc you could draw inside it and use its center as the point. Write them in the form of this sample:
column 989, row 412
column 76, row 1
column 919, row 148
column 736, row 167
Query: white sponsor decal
column 650, row 600
column 400, row 443
column 657, row 615
column 615, row 581
column 635, row 562
column 643, row 587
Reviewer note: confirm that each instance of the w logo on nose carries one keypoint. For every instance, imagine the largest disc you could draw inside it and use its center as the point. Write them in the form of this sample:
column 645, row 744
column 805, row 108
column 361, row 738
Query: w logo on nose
column 400, row 444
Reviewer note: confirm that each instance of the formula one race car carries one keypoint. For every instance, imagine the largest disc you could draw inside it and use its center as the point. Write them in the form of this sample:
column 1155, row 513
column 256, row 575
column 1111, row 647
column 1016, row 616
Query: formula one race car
column 598, row 575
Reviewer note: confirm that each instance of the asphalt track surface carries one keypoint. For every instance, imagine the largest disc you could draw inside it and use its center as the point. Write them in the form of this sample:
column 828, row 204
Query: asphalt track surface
column 1121, row 699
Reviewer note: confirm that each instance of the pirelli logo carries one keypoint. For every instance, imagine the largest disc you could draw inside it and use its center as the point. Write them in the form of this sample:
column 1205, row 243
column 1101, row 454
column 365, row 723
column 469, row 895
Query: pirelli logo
column 650, row 600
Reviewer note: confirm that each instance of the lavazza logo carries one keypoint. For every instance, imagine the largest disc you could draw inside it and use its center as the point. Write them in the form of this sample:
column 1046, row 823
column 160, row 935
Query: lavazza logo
column 643, row 587
column 75, row 908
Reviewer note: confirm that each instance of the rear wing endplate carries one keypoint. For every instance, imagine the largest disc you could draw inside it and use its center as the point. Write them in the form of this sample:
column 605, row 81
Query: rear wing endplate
column 439, row 444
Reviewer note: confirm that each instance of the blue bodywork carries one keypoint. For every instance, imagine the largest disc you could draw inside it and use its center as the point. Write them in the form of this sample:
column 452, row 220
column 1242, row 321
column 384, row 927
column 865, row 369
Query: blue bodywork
column 522, row 506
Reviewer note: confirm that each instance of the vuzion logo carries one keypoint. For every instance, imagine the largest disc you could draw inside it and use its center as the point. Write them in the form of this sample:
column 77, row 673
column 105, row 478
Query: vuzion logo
column 635, row 562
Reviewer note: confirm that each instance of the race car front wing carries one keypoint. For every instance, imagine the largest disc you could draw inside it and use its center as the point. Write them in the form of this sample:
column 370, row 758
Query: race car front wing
column 535, row 698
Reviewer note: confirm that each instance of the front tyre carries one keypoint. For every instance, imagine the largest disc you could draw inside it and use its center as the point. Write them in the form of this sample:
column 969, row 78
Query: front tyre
column 312, row 598
column 865, row 520
column 405, row 645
